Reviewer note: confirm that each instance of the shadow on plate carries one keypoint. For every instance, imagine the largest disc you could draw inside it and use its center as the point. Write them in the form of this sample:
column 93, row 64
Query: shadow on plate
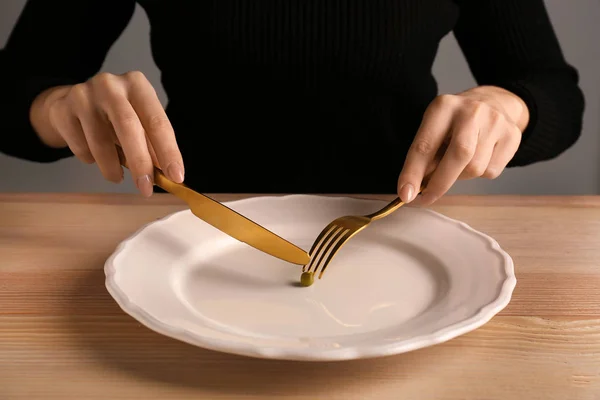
column 114, row 339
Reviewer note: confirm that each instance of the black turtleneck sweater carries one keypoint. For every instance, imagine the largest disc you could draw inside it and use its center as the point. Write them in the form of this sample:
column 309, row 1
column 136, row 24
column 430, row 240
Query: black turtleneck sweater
column 301, row 96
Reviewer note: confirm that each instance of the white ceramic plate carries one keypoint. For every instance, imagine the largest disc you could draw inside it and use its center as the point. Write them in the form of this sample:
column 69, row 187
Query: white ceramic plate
column 410, row 280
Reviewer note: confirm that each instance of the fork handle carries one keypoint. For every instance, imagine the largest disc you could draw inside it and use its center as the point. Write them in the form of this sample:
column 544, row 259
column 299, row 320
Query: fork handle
column 390, row 208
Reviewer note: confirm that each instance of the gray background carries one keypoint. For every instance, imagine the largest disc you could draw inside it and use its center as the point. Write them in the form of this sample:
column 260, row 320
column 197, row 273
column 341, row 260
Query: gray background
column 575, row 172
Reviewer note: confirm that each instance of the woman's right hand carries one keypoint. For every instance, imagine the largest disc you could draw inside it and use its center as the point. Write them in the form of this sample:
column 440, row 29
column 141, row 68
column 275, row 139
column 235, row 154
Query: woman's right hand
column 91, row 118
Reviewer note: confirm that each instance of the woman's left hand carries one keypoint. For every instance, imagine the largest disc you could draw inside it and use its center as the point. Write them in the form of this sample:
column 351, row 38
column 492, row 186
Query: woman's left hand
column 468, row 135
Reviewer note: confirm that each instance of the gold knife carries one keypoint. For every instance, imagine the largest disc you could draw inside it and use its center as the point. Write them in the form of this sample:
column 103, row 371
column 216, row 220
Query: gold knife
column 228, row 221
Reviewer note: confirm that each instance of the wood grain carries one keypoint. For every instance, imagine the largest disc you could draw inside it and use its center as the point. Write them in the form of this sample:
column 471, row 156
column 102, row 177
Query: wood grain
column 63, row 337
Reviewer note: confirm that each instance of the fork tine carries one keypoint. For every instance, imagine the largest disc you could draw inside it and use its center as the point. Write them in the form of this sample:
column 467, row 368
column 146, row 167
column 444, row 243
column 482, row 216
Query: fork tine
column 325, row 245
column 340, row 232
column 325, row 231
column 338, row 244
column 331, row 236
column 321, row 238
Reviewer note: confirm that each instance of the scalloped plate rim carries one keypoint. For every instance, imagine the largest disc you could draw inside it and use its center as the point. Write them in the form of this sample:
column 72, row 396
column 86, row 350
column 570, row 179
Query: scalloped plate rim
column 471, row 323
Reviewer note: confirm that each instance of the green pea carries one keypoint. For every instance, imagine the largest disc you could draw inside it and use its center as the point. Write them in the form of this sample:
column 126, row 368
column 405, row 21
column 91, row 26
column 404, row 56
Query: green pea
column 307, row 278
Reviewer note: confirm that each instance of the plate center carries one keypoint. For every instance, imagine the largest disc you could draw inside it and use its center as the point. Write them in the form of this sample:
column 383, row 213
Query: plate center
column 367, row 287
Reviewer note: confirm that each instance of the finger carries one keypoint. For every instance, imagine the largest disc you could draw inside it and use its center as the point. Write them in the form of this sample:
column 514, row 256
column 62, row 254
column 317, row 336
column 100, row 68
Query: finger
column 72, row 132
column 158, row 128
column 99, row 135
column 478, row 165
column 460, row 152
column 130, row 134
column 481, row 159
column 504, row 151
column 428, row 140
column 430, row 169
column 152, row 154
column 493, row 127
column 418, row 201
column 68, row 126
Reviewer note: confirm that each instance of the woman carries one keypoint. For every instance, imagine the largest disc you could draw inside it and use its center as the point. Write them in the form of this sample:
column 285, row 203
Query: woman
column 304, row 96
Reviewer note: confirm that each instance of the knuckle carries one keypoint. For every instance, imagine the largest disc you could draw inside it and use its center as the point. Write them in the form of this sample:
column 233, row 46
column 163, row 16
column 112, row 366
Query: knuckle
column 135, row 76
column 475, row 169
column 442, row 101
column 463, row 149
column 515, row 133
column 446, row 99
column 103, row 79
column 106, row 86
column 476, row 108
column 496, row 117
column 491, row 173
column 423, row 147
column 128, row 120
column 159, row 122
column 57, row 114
column 78, row 92
column 140, row 164
column 78, row 97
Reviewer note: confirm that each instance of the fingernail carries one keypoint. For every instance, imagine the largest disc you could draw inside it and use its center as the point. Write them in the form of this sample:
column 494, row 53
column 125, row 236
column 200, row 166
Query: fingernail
column 407, row 193
column 144, row 185
column 175, row 171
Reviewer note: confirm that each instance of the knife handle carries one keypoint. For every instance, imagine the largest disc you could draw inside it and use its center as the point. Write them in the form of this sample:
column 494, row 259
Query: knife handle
column 159, row 180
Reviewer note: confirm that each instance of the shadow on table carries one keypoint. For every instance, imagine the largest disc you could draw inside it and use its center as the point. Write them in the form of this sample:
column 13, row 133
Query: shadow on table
column 119, row 342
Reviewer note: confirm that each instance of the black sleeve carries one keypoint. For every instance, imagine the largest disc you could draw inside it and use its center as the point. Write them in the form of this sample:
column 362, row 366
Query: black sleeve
column 512, row 44
column 53, row 43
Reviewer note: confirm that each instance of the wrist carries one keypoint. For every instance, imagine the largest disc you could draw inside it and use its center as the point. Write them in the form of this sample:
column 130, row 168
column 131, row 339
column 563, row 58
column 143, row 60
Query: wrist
column 39, row 116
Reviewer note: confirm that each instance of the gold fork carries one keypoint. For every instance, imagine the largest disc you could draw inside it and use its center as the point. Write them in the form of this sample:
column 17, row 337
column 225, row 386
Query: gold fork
column 336, row 234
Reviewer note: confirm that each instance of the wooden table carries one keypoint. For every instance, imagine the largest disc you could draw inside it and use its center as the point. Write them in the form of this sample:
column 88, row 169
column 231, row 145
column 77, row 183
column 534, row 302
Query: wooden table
column 63, row 337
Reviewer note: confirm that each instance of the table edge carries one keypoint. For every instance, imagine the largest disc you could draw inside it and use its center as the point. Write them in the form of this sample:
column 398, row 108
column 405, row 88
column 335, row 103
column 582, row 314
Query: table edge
column 158, row 199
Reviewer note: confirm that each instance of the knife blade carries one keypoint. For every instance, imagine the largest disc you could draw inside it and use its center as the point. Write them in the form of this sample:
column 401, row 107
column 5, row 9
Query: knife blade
column 229, row 221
